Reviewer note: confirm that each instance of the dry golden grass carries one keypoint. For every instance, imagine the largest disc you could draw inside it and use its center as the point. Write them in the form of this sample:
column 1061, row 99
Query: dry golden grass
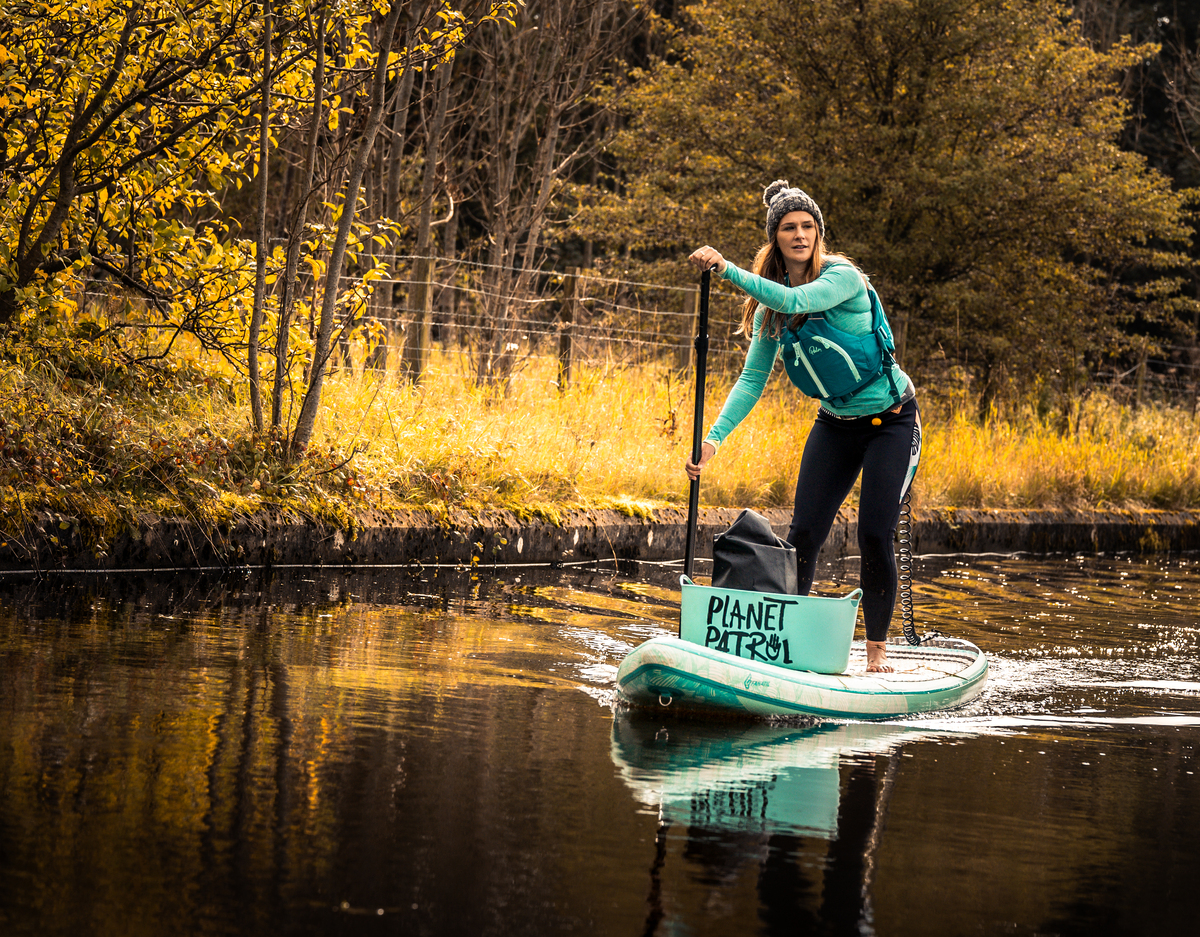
column 178, row 441
column 620, row 435
column 1115, row 458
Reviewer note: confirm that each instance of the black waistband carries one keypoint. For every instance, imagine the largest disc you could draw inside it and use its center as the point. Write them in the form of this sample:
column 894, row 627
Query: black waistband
column 907, row 397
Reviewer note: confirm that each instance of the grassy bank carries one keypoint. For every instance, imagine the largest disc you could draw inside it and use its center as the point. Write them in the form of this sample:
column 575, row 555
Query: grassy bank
column 104, row 443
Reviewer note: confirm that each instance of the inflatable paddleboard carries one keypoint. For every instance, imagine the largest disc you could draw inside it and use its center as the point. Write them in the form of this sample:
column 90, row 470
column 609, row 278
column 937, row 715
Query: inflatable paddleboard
column 669, row 672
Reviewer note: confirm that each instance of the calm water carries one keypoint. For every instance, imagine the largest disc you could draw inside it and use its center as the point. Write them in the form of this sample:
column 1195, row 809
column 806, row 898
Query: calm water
column 438, row 753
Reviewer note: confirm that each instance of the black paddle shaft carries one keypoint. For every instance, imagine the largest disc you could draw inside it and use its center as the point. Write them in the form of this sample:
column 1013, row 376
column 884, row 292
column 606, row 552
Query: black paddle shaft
column 701, row 346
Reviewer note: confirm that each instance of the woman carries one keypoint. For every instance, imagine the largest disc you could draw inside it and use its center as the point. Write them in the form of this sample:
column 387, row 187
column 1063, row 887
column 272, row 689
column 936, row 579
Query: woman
column 821, row 312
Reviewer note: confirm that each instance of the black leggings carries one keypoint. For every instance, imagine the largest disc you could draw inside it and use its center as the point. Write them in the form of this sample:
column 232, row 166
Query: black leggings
column 836, row 451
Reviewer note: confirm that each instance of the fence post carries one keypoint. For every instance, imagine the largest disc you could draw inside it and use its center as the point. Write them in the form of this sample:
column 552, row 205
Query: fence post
column 1141, row 375
column 417, row 335
column 1194, row 357
column 566, row 318
column 685, row 350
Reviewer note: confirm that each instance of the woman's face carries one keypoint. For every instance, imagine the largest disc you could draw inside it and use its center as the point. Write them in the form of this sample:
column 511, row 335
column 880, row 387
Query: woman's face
column 797, row 236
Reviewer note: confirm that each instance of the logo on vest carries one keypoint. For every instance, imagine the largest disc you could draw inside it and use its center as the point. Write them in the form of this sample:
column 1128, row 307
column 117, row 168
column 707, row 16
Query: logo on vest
column 813, row 349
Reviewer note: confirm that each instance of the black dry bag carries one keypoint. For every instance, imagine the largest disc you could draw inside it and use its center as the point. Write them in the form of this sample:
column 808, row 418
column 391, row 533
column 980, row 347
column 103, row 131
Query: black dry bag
column 749, row 556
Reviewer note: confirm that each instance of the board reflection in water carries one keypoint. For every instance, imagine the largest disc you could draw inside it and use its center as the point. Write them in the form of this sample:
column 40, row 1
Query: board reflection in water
column 800, row 809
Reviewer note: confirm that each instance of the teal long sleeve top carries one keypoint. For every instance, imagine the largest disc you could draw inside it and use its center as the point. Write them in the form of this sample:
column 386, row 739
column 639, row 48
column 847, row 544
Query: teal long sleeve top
column 840, row 293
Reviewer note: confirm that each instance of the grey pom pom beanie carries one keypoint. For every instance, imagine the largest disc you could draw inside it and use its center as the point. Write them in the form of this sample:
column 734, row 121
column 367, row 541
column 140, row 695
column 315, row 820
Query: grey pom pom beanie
column 780, row 198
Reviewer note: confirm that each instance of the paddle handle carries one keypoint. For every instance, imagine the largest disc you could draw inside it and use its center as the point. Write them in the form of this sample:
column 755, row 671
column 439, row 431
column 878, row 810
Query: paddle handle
column 701, row 346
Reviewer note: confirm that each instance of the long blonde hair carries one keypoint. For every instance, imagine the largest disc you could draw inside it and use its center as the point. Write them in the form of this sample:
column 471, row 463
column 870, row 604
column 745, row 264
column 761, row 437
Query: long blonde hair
column 768, row 264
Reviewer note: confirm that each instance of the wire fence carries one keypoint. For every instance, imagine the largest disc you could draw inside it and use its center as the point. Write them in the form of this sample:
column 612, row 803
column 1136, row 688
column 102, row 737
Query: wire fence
column 585, row 318
column 491, row 313
column 618, row 321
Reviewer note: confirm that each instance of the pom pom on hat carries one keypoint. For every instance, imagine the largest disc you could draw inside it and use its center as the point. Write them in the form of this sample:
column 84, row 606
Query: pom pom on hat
column 780, row 198
column 772, row 190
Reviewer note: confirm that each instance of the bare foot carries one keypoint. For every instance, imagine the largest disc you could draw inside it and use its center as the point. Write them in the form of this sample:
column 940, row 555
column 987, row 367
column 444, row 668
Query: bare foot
column 877, row 658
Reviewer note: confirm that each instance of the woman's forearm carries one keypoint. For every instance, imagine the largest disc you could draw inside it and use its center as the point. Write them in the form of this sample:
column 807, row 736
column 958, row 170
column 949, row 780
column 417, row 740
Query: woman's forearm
column 745, row 393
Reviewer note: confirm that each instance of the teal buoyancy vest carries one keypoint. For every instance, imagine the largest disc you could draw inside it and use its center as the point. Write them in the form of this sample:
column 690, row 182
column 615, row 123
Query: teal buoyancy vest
column 833, row 365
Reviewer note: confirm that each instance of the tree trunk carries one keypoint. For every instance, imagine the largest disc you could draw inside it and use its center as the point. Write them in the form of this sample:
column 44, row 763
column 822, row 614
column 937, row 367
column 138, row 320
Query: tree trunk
column 260, row 271
column 447, row 300
column 417, row 336
column 399, row 128
column 291, row 286
column 306, row 422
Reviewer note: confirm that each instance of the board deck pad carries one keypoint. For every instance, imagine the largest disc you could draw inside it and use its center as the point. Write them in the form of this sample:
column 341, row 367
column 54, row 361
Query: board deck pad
column 909, row 667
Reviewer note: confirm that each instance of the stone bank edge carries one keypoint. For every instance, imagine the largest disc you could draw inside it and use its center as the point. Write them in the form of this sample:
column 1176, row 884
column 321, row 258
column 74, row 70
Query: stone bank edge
column 501, row 538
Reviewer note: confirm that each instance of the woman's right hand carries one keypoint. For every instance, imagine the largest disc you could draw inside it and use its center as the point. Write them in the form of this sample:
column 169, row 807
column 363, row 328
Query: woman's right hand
column 708, row 258
column 707, row 451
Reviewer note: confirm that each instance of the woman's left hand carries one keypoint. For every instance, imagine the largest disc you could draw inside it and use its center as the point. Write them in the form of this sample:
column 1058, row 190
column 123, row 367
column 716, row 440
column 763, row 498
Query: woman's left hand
column 708, row 258
column 707, row 451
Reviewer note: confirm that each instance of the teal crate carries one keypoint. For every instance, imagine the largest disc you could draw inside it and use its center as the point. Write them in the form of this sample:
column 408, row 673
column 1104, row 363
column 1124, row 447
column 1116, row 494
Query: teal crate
column 799, row 632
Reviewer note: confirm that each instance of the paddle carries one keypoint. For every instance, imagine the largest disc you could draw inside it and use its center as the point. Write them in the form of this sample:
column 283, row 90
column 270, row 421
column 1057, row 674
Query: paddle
column 701, row 346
